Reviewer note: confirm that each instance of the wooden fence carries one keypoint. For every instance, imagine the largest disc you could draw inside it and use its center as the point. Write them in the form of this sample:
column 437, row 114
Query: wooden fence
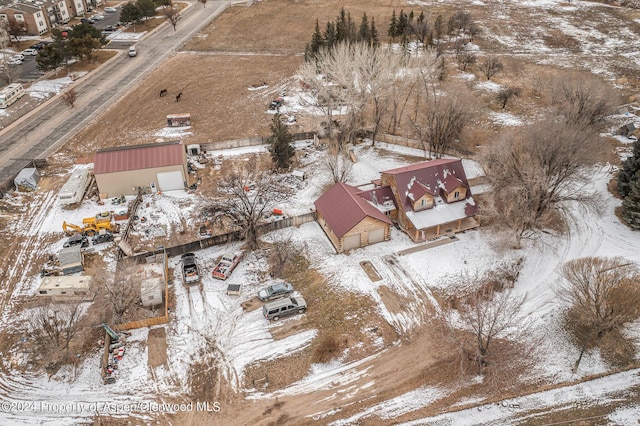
column 255, row 141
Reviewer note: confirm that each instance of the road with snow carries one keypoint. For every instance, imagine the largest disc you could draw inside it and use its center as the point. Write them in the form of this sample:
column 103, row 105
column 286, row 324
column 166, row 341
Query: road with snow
column 45, row 129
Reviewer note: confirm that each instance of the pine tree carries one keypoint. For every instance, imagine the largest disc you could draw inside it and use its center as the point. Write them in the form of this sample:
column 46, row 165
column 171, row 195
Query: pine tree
column 374, row 34
column 631, row 204
column 342, row 30
column 629, row 169
column 403, row 22
column 364, row 34
column 280, row 143
column 317, row 41
column 393, row 26
column 330, row 37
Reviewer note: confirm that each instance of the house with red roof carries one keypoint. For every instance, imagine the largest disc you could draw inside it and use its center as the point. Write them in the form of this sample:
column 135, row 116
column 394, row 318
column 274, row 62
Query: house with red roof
column 433, row 198
column 152, row 167
column 349, row 220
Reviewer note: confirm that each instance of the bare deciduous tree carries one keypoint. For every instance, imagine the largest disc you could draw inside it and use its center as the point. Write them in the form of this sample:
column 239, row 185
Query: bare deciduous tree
column 350, row 75
column 504, row 95
column 603, row 295
column 487, row 332
column 56, row 324
column 583, row 100
column 537, row 174
column 69, row 96
column 338, row 165
column 491, row 66
column 246, row 201
column 172, row 14
column 440, row 117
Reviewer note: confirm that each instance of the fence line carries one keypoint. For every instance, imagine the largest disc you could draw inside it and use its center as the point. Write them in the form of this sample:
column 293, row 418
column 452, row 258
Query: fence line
column 255, row 141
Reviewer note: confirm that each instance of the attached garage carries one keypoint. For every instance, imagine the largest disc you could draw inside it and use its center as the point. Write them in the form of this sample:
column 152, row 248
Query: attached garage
column 349, row 220
column 376, row 236
column 351, row 242
column 149, row 167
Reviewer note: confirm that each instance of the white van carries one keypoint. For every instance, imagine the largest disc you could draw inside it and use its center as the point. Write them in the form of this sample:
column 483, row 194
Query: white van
column 132, row 51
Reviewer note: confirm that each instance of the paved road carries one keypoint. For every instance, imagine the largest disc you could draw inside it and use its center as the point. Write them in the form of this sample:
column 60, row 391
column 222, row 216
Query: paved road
column 41, row 132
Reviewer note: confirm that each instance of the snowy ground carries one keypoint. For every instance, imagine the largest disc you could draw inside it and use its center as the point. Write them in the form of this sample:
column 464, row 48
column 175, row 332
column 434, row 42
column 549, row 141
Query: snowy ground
column 209, row 317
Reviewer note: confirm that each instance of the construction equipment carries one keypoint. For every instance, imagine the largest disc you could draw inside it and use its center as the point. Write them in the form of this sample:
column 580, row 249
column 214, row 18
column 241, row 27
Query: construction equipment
column 90, row 225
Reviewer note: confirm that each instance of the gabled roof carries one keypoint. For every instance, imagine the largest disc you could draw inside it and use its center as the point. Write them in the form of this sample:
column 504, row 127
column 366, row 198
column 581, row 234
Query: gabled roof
column 138, row 157
column 445, row 173
column 342, row 208
column 380, row 197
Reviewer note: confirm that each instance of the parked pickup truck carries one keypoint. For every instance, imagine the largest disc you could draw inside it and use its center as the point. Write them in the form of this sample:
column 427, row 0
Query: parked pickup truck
column 189, row 268
column 226, row 265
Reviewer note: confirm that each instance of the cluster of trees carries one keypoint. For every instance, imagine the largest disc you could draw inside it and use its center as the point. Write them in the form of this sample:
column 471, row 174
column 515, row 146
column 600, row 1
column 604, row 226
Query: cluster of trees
column 141, row 10
column 79, row 42
column 629, row 188
column 342, row 30
column 408, row 27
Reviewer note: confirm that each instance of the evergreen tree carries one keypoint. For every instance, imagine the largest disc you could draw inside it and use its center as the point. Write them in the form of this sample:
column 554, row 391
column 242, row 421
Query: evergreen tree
column 374, row 34
column 342, row 30
column 403, row 22
column 393, row 26
column 437, row 28
column 364, row 34
column 352, row 32
column 317, row 41
column 330, row 36
column 629, row 169
column 280, row 143
column 631, row 204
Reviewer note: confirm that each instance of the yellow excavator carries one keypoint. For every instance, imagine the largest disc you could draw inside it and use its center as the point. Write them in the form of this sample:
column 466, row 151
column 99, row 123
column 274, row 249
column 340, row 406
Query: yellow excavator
column 90, row 225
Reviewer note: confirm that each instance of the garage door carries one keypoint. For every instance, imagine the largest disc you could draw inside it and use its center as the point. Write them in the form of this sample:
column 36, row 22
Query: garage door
column 168, row 181
column 351, row 242
column 376, row 236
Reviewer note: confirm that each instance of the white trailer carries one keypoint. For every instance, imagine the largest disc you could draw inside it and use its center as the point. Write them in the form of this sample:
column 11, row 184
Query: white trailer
column 73, row 190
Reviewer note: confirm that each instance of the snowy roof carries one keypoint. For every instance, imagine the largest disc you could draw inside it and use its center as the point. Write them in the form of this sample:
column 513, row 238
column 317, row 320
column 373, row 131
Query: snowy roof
column 381, row 198
column 441, row 213
column 445, row 173
column 137, row 157
column 343, row 209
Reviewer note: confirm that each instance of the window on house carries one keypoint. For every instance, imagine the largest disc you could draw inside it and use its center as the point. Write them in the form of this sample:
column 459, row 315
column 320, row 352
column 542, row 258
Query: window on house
column 423, row 202
column 456, row 194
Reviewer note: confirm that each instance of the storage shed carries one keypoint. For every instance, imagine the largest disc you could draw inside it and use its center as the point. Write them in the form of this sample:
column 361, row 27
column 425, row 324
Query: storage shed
column 71, row 260
column 75, row 187
column 64, row 288
column 27, row 179
column 152, row 167
column 179, row 120
column 151, row 291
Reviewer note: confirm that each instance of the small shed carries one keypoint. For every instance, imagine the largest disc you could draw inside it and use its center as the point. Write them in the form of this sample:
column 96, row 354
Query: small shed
column 178, row 120
column 299, row 174
column 61, row 289
column 193, row 149
column 627, row 129
column 151, row 292
column 71, row 260
column 27, row 179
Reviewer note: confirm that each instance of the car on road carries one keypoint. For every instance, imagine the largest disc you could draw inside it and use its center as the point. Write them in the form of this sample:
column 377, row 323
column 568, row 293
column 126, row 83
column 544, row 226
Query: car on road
column 87, row 21
column 30, row 52
column 275, row 291
column 132, row 51
column 77, row 240
column 284, row 307
column 110, row 29
column 107, row 237
column 110, row 9
column 15, row 60
column 97, row 17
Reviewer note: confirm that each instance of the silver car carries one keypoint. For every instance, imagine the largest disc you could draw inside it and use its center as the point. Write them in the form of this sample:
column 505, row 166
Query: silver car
column 275, row 291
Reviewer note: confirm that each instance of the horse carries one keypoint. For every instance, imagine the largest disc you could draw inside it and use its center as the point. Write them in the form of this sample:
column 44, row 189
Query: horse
column 163, row 92
column 178, row 97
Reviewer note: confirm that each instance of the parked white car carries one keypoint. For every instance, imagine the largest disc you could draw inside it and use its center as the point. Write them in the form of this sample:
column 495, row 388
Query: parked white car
column 110, row 9
column 97, row 17
column 29, row 52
